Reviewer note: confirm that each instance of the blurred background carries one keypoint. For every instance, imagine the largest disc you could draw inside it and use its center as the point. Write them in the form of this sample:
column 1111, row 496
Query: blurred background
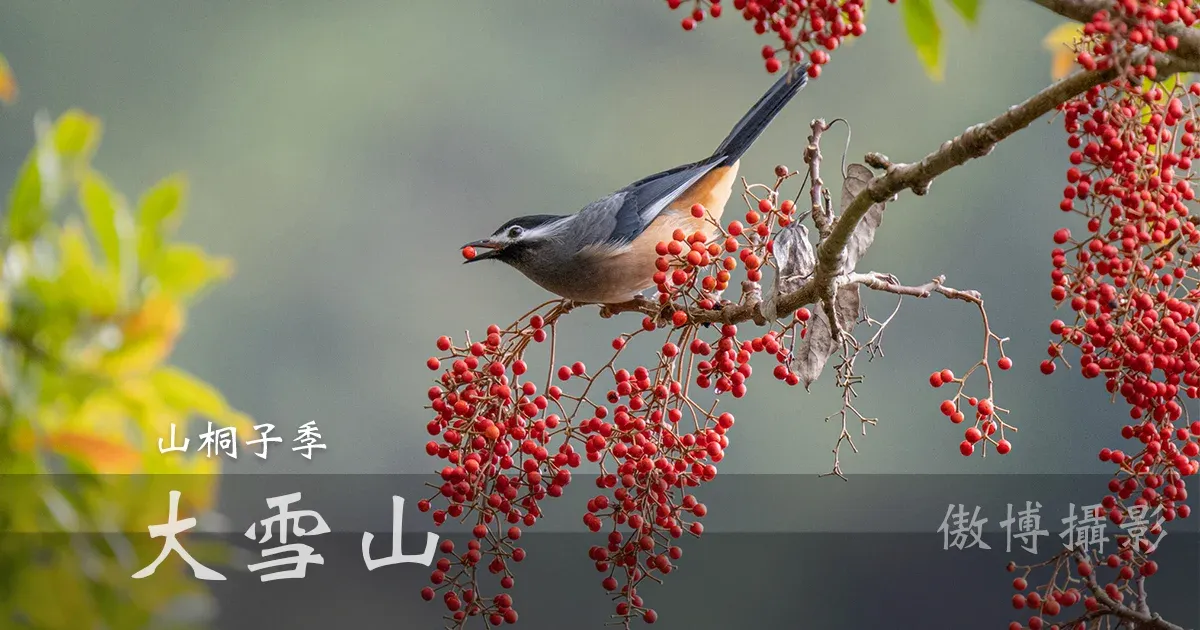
column 341, row 153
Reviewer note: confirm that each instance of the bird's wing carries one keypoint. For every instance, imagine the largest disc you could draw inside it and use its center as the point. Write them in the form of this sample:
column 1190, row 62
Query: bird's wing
column 639, row 203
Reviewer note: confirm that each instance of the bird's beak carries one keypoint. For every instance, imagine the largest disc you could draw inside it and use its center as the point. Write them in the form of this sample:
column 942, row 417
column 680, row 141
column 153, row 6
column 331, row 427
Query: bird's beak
column 492, row 250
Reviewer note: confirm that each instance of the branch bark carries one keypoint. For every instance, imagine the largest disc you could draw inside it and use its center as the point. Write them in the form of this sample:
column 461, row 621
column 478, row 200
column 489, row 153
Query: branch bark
column 976, row 141
column 1139, row 619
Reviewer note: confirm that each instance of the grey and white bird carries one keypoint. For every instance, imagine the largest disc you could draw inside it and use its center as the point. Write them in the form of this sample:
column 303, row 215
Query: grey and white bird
column 605, row 253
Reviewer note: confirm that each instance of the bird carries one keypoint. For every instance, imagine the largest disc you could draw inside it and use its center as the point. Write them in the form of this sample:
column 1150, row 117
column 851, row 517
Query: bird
column 606, row 252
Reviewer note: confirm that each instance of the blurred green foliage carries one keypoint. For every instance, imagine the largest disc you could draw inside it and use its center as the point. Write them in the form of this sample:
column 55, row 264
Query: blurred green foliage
column 93, row 296
column 925, row 33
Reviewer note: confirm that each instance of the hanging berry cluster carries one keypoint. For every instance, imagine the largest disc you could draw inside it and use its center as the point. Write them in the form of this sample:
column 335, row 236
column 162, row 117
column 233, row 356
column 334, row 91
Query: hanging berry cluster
column 511, row 438
column 1129, row 274
column 510, row 442
column 807, row 30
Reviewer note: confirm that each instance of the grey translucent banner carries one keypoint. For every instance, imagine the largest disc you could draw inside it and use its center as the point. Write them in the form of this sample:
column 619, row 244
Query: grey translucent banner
column 894, row 551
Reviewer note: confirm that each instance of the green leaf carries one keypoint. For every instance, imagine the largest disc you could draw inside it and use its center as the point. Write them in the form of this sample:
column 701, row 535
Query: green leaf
column 968, row 9
column 183, row 270
column 926, row 35
column 105, row 211
column 26, row 214
column 71, row 141
column 159, row 212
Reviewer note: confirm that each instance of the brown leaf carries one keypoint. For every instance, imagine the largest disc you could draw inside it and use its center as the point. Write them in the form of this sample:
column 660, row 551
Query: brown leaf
column 814, row 350
column 795, row 259
column 794, row 256
column 858, row 177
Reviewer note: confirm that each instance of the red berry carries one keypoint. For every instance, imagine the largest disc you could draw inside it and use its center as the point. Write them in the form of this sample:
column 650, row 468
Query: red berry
column 468, row 253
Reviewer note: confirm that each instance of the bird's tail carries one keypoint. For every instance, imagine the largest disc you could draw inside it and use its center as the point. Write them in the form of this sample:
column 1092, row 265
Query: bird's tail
column 756, row 120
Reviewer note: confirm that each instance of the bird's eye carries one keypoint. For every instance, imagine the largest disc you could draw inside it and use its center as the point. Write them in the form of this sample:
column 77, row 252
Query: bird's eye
column 515, row 231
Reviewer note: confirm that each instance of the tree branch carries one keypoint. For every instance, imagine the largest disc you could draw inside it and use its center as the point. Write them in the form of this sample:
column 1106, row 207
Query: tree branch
column 1141, row 620
column 976, row 141
column 883, row 282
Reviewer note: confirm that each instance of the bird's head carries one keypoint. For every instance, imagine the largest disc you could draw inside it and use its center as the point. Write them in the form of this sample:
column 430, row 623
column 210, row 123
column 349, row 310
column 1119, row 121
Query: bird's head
column 520, row 240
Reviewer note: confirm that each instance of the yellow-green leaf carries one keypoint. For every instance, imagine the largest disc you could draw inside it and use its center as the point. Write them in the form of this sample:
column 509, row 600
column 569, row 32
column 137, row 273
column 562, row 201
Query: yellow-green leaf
column 925, row 33
column 105, row 211
column 183, row 270
column 1060, row 42
column 8, row 83
column 968, row 9
column 77, row 134
column 81, row 281
column 136, row 357
column 159, row 212
column 5, row 308
column 188, row 393
column 26, row 213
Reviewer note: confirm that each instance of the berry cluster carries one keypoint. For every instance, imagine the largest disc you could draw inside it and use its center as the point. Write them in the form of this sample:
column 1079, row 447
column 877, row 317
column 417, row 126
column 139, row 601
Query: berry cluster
column 656, row 430
column 1131, row 279
column 1119, row 37
column 986, row 414
column 807, row 30
column 492, row 430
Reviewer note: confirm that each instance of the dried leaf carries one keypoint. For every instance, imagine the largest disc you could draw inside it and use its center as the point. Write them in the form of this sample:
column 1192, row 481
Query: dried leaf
column 814, row 350
column 795, row 259
column 858, row 177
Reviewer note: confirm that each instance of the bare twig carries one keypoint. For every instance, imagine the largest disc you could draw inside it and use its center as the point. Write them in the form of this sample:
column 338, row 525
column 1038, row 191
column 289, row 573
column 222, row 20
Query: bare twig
column 821, row 215
column 1141, row 619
